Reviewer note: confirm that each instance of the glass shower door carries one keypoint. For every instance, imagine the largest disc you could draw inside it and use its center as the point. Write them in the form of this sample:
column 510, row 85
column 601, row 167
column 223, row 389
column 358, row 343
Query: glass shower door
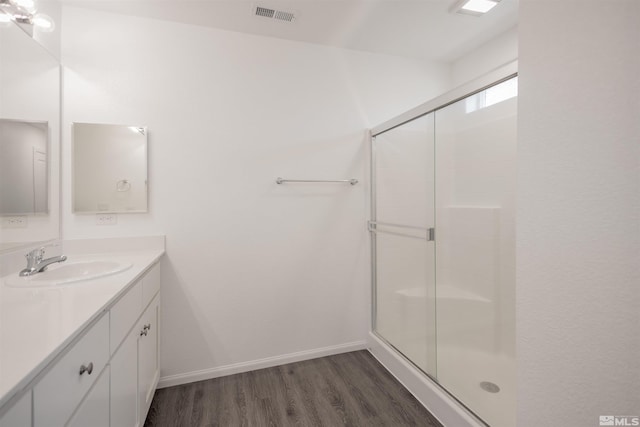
column 443, row 223
column 403, row 213
column 475, row 250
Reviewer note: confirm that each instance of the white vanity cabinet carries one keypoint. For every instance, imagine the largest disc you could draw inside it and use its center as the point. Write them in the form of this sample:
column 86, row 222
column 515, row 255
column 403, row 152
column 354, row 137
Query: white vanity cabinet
column 124, row 383
column 60, row 391
column 148, row 356
column 108, row 375
column 135, row 365
column 94, row 410
column 19, row 414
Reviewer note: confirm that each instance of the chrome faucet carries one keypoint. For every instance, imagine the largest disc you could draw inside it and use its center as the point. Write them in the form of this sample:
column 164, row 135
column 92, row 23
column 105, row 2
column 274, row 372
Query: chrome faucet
column 36, row 263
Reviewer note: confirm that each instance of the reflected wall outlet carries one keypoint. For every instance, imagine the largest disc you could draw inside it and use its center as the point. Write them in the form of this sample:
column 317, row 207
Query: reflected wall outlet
column 106, row 219
column 14, row 222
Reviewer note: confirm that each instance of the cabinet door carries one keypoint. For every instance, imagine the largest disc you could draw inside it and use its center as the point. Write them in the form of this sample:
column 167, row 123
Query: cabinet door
column 148, row 356
column 124, row 314
column 124, row 383
column 20, row 413
column 94, row 410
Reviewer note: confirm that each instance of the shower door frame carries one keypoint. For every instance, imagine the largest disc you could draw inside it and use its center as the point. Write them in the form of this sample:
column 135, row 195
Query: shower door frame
column 495, row 77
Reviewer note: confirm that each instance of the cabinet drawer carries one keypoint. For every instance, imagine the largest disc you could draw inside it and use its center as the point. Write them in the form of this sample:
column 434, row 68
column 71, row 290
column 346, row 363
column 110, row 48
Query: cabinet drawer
column 60, row 391
column 150, row 284
column 123, row 315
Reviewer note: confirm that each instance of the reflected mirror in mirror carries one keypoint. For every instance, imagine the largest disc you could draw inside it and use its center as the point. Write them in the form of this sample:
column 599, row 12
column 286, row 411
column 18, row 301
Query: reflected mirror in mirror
column 29, row 141
column 109, row 168
column 23, row 168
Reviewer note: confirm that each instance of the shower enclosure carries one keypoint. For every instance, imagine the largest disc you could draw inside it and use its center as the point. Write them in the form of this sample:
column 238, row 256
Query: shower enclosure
column 443, row 245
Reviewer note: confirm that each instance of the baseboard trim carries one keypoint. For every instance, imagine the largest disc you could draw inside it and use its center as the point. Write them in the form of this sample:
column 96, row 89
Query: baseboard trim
column 236, row 368
column 446, row 409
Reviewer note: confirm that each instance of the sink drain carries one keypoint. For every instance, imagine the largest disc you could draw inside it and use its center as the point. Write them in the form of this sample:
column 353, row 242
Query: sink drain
column 489, row 386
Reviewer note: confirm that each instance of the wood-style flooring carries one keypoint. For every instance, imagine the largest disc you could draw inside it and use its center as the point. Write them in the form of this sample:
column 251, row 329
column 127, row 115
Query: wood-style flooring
column 350, row 389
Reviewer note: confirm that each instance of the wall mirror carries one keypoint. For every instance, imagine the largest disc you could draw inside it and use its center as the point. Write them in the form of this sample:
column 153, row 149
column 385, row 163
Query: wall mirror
column 109, row 168
column 29, row 141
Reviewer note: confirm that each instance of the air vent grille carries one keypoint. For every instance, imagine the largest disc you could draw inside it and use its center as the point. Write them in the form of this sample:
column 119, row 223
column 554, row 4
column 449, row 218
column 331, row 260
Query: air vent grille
column 263, row 11
column 284, row 16
column 280, row 15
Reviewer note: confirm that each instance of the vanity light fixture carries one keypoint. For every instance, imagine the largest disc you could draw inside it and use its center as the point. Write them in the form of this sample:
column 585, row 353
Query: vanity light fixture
column 16, row 12
column 136, row 129
column 24, row 12
column 26, row 5
column 474, row 7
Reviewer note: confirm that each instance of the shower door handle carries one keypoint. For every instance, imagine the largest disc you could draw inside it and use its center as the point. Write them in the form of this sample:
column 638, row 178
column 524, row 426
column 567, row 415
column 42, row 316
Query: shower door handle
column 428, row 234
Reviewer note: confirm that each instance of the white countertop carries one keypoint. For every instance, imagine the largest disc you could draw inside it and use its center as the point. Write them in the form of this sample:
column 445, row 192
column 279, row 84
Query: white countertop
column 36, row 324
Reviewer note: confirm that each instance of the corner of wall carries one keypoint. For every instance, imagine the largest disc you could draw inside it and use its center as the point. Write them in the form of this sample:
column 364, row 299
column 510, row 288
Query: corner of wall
column 498, row 51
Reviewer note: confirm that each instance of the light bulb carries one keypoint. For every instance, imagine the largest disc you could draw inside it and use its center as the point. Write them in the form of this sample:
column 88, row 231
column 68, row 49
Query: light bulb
column 474, row 7
column 479, row 6
column 43, row 23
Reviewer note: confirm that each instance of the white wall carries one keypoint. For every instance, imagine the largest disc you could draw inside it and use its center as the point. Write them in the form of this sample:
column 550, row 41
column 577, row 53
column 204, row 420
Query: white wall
column 578, row 269
column 498, row 51
column 50, row 40
column 253, row 269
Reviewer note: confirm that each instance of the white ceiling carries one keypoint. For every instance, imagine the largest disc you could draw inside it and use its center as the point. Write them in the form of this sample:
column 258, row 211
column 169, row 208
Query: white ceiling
column 413, row 28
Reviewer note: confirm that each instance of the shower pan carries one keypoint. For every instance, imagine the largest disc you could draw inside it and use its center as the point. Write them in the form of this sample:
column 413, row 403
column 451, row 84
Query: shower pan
column 443, row 244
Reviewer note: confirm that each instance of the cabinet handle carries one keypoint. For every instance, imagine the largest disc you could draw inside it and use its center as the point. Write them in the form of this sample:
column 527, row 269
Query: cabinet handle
column 143, row 332
column 147, row 327
column 88, row 369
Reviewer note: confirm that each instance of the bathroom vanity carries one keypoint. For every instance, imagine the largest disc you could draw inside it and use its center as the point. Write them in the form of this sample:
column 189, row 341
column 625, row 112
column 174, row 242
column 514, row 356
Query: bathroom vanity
column 78, row 342
column 84, row 353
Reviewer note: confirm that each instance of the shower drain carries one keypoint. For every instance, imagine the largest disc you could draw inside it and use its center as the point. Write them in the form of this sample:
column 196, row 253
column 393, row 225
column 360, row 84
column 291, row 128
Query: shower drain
column 489, row 386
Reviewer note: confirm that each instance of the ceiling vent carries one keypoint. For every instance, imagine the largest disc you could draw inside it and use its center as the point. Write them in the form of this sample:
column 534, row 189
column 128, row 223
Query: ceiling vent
column 280, row 15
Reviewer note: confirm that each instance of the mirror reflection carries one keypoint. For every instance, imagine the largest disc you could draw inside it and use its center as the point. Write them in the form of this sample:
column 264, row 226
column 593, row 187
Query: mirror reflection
column 29, row 141
column 109, row 168
column 23, row 168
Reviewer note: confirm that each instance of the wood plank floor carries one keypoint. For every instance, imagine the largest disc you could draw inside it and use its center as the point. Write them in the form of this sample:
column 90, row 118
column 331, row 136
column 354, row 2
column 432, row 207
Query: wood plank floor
column 350, row 389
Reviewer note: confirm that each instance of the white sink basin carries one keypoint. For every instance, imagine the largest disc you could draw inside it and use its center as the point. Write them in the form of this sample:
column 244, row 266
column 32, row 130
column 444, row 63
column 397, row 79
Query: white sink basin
column 60, row 274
